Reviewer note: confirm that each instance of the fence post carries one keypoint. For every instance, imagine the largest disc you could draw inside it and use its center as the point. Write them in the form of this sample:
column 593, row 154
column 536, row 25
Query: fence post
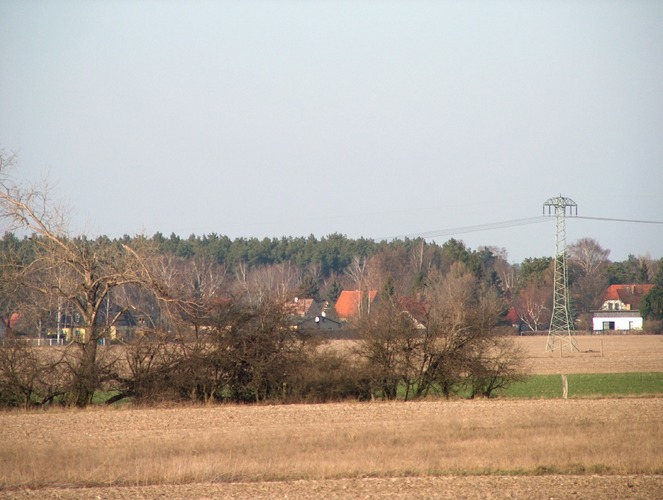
column 565, row 387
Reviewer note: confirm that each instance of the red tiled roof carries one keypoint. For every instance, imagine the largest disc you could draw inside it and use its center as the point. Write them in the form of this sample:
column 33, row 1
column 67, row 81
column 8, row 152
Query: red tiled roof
column 415, row 307
column 347, row 305
column 611, row 293
column 628, row 294
column 512, row 316
column 14, row 318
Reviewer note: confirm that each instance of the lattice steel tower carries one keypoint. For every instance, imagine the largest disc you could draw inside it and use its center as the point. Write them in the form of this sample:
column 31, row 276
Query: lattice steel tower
column 561, row 331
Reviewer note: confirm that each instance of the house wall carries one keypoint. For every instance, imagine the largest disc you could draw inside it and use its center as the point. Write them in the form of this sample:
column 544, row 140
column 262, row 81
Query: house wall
column 620, row 322
column 615, row 305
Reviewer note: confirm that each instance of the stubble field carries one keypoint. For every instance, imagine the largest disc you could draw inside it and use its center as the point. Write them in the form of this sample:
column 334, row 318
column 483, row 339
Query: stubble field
column 596, row 354
column 579, row 448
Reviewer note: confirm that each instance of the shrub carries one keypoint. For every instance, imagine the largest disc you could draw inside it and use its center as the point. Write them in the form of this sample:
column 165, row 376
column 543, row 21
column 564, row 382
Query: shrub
column 31, row 376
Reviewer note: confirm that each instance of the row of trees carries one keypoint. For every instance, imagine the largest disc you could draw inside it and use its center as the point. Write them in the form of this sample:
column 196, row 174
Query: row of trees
column 249, row 350
column 332, row 254
column 397, row 267
column 216, row 331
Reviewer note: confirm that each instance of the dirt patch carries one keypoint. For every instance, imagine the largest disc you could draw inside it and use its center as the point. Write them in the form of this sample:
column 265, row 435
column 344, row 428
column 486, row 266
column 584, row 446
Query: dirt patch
column 484, row 487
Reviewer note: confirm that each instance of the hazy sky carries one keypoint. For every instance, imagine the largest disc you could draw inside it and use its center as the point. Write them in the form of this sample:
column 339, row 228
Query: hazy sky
column 367, row 118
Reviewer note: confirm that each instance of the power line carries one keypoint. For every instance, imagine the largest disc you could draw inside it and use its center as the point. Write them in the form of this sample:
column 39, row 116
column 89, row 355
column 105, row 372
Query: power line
column 608, row 219
column 474, row 229
column 506, row 224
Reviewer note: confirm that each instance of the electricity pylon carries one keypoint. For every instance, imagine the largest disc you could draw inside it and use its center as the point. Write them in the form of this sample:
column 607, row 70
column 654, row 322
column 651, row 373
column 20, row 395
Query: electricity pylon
column 561, row 331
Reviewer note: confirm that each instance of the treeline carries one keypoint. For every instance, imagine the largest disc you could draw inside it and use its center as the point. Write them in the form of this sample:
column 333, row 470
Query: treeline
column 321, row 269
column 328, row 256
column 252, row 350
column 215, row 332
column 331, row 255
column 323, row 266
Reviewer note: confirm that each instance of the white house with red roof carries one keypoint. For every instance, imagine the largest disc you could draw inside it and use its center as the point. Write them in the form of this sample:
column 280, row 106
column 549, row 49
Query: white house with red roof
column 621, row 308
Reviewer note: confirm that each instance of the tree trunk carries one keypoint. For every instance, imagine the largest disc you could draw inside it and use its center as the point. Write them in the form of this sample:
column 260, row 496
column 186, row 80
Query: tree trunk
column 86, row 376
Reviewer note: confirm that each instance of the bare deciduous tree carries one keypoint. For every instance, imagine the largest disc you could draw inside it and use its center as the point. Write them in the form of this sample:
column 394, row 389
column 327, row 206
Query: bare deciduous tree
column 262, row 285
column 588, row 255
column 589, row 265
column 505, row 271
column 533, row 305
column 75, row 270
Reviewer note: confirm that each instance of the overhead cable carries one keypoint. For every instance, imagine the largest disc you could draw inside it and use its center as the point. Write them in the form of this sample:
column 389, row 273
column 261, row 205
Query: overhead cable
column 509, row 223
column 608, row 219
column 474, row 229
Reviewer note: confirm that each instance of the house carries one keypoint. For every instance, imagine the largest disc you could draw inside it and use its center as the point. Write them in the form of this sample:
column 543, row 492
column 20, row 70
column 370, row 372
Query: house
column 320, row 322
column 9, row 323
column 308, row 314
column 416, row 310
column 352, row 303
column 621, row 308
column 302, row 307
column 513, row 318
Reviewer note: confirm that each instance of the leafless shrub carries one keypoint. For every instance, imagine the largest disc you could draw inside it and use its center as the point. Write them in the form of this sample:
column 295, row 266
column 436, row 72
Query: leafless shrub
column 245, row 352
column 145, row 370
column 451, row 346
column 391, row 343
column 500, row 365
column 30, row 376
column 328, row 376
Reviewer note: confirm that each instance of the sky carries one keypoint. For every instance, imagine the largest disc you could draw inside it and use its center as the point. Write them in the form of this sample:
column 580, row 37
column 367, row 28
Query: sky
column 374, row 119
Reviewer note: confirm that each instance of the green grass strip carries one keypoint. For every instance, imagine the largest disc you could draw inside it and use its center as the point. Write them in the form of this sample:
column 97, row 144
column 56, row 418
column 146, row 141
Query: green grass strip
column 586, row 385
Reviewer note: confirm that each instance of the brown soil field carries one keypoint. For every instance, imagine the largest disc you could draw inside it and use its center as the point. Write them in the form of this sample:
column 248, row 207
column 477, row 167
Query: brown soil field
column 585, row 448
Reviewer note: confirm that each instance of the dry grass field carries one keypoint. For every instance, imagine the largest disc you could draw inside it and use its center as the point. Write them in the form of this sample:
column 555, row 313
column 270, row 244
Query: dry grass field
column 597, row 354
column 585, row 448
